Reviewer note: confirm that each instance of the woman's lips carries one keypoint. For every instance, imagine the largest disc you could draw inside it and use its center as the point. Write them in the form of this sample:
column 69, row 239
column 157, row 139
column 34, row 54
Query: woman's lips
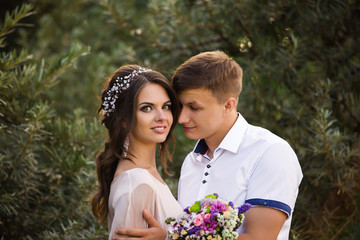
column 159, row 129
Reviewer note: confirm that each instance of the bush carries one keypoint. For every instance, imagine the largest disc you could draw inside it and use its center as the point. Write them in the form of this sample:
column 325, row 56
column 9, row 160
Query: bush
column 46, row 161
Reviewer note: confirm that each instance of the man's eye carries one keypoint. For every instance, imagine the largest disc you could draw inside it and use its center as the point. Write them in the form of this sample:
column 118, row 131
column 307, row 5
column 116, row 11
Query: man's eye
column 146, row 109
column 193, row 108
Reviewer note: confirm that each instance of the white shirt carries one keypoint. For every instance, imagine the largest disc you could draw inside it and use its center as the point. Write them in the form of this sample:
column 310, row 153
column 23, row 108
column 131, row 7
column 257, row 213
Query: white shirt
column 250, row 165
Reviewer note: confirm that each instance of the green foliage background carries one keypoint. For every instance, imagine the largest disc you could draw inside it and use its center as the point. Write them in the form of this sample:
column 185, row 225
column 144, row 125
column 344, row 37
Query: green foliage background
column 301, row 81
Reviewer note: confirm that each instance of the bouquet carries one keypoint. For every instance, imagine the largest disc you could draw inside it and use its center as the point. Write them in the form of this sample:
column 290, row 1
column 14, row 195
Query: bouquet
column 209, row 218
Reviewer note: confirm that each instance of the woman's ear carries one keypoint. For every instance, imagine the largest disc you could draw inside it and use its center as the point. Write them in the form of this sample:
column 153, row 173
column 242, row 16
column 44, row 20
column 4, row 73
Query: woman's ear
column 123, row 124
column 230, row 104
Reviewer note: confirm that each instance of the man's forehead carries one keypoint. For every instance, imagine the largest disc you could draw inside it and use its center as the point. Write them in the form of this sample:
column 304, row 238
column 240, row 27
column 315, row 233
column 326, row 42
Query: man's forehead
column 195, row 92
column 195, row 96
column 190, row 96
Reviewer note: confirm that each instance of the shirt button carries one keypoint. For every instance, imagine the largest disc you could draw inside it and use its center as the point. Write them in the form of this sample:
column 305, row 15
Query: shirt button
column 204, row 181
column 206, row 173
column 208, row 166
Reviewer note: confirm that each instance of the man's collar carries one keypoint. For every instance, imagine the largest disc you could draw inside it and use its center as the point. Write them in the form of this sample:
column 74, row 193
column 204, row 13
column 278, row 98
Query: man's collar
column 201, row 147
column 233, row 138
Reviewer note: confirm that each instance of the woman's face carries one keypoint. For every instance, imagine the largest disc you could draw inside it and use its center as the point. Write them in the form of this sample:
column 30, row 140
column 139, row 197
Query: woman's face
column 153, row 117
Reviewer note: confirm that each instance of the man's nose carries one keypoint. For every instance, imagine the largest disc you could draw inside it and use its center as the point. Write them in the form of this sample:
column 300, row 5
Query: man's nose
column 184, row 116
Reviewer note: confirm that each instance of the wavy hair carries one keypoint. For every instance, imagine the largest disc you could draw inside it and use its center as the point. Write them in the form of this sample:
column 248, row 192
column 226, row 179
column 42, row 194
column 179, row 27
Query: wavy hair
column 119, row 123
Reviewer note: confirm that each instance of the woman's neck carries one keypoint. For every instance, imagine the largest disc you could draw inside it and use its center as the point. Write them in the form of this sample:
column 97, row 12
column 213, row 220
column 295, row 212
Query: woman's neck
column 142, row 155
column 138, row 157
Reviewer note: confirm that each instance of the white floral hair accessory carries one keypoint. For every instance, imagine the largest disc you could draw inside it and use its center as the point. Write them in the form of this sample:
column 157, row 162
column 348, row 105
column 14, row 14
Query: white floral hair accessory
column 120, row 85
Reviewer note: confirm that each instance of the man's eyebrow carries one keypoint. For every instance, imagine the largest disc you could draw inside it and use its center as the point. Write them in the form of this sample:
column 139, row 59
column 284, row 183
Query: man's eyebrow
column 190, row 103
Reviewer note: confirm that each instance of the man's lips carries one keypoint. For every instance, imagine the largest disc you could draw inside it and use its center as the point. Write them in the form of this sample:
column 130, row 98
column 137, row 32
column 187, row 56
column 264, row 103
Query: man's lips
column 187, row 128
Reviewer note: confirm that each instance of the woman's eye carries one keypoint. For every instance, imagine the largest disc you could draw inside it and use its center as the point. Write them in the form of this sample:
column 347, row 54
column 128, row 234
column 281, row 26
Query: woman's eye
column 146, row 109
column 167, row 107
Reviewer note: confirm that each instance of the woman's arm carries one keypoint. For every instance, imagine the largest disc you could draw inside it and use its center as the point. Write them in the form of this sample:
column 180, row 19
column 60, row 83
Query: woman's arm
column 130, row 216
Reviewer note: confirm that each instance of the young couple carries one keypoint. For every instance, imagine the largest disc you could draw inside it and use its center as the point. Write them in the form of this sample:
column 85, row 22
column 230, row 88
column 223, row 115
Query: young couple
column 240, row 162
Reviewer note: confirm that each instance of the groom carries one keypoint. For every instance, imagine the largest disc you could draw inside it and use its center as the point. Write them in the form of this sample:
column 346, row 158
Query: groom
column 241, row 162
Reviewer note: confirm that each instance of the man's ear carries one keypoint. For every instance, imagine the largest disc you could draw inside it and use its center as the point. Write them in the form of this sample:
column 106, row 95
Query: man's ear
column 230, row 104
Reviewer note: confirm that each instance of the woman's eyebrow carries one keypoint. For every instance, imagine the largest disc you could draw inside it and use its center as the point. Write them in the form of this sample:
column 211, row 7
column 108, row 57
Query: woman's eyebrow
column 152, row 104
column 146, row 103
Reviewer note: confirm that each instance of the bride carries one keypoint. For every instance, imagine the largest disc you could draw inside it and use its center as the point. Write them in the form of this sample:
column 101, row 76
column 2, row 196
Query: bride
column 140, row 111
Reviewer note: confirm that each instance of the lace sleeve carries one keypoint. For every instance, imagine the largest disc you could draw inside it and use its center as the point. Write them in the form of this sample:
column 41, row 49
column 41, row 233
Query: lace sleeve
column 142, row 197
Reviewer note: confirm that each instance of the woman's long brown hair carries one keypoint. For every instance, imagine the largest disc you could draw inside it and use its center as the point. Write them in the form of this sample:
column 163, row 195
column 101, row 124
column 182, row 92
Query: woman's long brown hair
column 119, row 124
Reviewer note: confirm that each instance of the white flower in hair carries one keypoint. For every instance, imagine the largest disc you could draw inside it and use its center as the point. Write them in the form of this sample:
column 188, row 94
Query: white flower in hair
column 120, row 85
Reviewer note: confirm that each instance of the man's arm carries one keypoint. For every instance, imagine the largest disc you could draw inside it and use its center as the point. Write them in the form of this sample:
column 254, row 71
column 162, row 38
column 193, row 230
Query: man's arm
column 154, row 232
column 262, row 223
column 274, row 181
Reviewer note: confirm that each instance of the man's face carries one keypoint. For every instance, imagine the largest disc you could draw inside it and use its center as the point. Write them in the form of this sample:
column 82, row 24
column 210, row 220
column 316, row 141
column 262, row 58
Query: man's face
column 201, row 115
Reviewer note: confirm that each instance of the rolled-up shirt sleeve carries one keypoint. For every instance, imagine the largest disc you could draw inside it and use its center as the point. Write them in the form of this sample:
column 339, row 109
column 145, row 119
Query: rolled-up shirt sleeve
column 275, row 178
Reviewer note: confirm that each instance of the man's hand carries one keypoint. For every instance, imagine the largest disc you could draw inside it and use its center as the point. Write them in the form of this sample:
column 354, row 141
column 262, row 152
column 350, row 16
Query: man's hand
column 154, row 232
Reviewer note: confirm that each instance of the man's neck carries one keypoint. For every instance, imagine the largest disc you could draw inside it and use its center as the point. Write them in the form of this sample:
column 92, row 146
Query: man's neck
column 214, row 141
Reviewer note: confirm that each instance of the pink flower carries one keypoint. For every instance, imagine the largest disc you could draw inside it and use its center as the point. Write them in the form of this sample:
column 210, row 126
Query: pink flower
column 198, row 221
column 206, row 204
column 205, row 216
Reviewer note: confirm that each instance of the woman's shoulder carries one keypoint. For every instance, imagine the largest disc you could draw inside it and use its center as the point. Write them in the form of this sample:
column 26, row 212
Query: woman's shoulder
column 131, row 181
column 134, row 176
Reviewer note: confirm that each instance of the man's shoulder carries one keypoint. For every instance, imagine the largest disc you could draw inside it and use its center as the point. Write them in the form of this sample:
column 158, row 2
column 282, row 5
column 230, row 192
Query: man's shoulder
column 271, row 149
column 256, row 134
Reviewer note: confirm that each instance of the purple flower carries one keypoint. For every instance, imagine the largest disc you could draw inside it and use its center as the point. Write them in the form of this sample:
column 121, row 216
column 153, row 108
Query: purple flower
column 209, row 225
column 194, row 230
column 187, row 209
column 218, row 207
column 243, row 208
column 180, row 229
column 213, row 216
column 231, row 204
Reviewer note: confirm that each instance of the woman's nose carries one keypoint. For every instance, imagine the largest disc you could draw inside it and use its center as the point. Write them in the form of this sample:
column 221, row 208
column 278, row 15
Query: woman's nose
column 160, row 115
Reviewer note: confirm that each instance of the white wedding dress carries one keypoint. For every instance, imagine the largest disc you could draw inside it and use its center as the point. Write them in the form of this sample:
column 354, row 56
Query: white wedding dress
column 134, row 190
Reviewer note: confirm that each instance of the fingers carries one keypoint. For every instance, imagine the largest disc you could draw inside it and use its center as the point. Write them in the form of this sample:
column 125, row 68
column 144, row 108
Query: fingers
column 127, row 233
column 150, row 219
column 116, row 237
column 154, row 231
column 123, row 238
